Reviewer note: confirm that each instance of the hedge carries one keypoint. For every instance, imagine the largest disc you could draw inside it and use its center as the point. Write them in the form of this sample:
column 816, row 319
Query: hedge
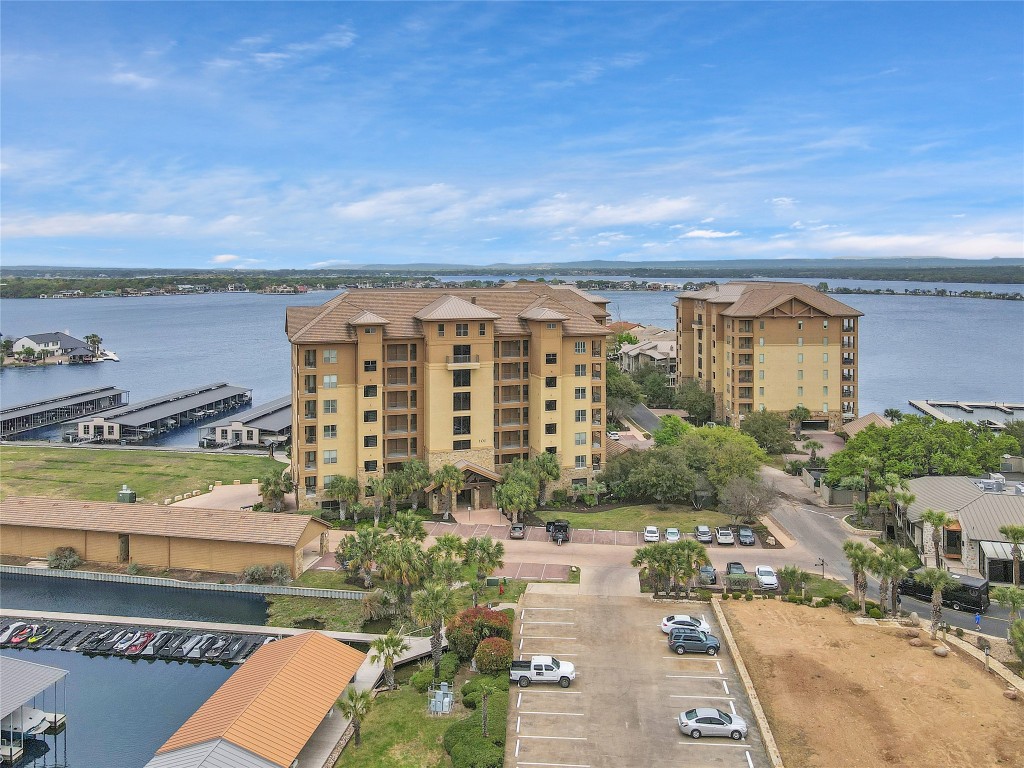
column 64, row 558
column 464, row 740
column 466, row 629
column 493, row 656
column 471, row 689
column 421, row 679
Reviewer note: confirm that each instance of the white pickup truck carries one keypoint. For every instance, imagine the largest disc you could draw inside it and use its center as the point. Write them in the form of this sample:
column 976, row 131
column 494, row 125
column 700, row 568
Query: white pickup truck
column 542, row 669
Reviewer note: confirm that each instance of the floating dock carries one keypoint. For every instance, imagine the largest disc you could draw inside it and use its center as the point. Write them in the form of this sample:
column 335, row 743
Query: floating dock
column 56, row 410
column 151, row 418
column 991, row 415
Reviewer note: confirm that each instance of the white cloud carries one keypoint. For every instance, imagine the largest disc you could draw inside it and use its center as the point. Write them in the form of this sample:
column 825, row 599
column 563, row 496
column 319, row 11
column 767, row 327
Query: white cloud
column 711, row 233
column 224, row 258
column 782, row 202
column 134, row 80
column 98, row 224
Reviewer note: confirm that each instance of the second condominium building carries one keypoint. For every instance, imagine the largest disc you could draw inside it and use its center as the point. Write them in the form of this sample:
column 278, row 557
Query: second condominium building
column 471, row 377
column 770, row 346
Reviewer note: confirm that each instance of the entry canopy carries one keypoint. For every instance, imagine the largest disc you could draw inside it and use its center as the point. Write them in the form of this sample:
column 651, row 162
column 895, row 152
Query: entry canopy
column 997, row 550
column 20, row 681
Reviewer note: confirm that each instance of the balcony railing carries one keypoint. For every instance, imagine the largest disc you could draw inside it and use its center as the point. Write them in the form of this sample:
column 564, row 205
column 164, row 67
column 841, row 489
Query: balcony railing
column 849, row 345
column 309, row 391
column 310, row 440
column 462, row 359
column 745, row 380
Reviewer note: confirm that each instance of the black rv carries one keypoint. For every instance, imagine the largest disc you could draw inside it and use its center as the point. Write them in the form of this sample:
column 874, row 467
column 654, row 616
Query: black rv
column 969, row 593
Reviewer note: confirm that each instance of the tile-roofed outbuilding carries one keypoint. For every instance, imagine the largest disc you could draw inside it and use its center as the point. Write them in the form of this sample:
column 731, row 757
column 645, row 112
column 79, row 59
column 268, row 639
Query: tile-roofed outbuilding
column 273, row 703
column 153, row 520
column 855, row 426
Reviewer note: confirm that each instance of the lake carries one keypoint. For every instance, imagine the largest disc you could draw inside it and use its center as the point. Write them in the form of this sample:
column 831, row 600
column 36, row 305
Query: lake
column 912, row 347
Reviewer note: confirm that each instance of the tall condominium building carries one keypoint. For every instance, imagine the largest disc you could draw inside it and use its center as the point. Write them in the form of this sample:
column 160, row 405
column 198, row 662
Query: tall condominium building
column 470, row 377
column 770, row 346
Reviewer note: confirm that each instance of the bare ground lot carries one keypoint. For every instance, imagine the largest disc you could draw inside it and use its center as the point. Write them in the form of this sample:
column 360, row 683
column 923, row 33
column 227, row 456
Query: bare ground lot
column 838, row 695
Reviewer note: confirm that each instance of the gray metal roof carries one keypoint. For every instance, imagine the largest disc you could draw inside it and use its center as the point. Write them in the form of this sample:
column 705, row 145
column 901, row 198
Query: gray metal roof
column 217, row 753
column 980, row 513
column 273, row 416
column 62, row 338
column 71, row 398
column 21, row 680
column 137, row 414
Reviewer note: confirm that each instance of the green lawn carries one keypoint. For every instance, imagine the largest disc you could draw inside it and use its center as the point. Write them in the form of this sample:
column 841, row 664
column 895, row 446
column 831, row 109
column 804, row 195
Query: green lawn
column 97, row 474
column 328, row 580
column 635, row 517
column 819, row 587
column 314, row 612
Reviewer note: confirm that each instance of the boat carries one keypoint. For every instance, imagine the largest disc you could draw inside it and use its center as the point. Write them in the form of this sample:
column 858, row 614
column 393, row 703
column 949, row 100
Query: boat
column 39, row 634
column 91, row 641
column 24, row 721
column 171, row 645
column 106, row 645
column 136, row 648
column 24, row 633
column 233, row 649
column 122, row 645
column 217, row 648
column 106, row 354
column 203, row 643
column 9, row 630
column 186, row 648
column 156, row 643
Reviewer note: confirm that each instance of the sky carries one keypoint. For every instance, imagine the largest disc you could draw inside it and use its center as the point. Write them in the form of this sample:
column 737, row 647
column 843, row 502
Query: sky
column 321, row 134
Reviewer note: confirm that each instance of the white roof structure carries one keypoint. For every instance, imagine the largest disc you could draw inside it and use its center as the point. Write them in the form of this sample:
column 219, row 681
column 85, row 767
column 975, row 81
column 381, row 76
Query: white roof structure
column 20, row 681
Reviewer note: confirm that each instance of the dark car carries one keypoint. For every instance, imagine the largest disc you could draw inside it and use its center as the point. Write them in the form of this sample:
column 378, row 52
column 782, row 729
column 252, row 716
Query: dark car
column 708, row 575
column 745, row 536
column 517, row 531
column 688, row 640
column 735, row 569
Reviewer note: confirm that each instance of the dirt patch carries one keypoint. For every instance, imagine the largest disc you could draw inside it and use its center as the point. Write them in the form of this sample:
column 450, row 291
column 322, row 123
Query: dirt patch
column 839, row 695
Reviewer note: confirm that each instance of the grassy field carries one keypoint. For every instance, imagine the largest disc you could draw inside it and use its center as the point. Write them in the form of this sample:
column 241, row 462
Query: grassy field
column 97, row 474
column 314, row 612
column 819, row 587
column 635, row 517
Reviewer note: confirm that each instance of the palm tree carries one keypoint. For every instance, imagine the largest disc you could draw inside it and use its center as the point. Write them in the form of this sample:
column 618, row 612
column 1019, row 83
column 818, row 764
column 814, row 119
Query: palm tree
column 687, row 555
column 793, row 576
column 1010, row 598
column 487, row 555
column 896, row 563
column 380, row 490
column 344, row 490
column 94, row 342
column 893, row 414
column 450, row 481
column 417, row 477
column 798, row 416
column 894, row 493
column 386, row 649
column 486, row 689
column 653, row 564
column 405, row 563
column 938, row 520
column 1015, row 535
column 545, row 465
column 355, row 706
column 938, row 580
column 434, row 605
column 813, row 446
column 515, row 497
column 273, row 490
column 399, row 489
column 446, row 571
column 859, row 557
column 449, row 546
column 409, row 526
column 362, row 552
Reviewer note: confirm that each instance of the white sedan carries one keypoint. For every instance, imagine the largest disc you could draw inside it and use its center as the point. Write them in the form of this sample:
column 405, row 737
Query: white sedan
column 766, row 578
column 652, row 534
column 683, row 620
column 671, row 535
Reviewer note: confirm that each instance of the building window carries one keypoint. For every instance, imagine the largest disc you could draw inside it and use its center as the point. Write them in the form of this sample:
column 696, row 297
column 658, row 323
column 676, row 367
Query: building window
column 580, row 438
column 330, row 355
column 483, row 329
column 824, row 341
column 460, row 445
column 461, row 353
column 330, row 457
column 330, row 406
column 462, row 329
column 824, row 407
column 460, row 401
column 370, row 466
column 581, row 416
column 824, row 391
column 760, row 358
column 580, row 347
column 369, row 417
column 824, row 357
column 580, row 393
column 581, row 370
column 550, row 405
column 369, row 330
column 310, row 459
column 330, row 382
column 550, row 381
column 760, row 391
column 330, row 431
column 250, row 436
column 551, row 429
column 799, row 357
column 760, row 374
column 369, row 366
column 824, row 323
column 800, row 374
column 309, row 358
column 440, row 329
column 551, row 326
column 461, row 378
column 370, row 390
column 370, row 441
column 581, row 462
column 799, row 391
column 824, row 374
column 799, row 325
column 460, row 425
column 799, row 341
column 760, row 324
column 551, row 358
column 760, row 341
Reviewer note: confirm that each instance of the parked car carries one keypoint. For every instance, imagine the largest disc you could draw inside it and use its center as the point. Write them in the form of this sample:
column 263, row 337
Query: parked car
column 745, row 536
column 517, row 531
column 613, row 435
column 558, row 531
column 735, row 569
column 651, row 533
column 687, row 640
column 705, row 721
column 542, row 669
column 684, row 620
column 703, row 534
column 724, row 536
column 708, row 575
column 671, row 534
column 766, row 578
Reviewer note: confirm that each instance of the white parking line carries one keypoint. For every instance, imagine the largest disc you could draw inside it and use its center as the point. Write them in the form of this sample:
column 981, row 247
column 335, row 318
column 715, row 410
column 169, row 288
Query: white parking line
column 545, row 637
column 732, row 707
column 679, row 696
column 557, row 765
column 557, row 738
column 701, row 742
column 560, row 623
column 522, row 656
column 696, row 677
column 517, row 747
column 562, row 714
column 560, row 693
column 691, row 658
column 749, row 761
column 719, row 667
column 726, row 686
column 517, row 724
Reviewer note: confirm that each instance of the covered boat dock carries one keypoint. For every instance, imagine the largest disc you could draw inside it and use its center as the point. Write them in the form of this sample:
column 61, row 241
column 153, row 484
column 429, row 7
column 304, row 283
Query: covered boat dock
column 26, row 685
column 150, row 418
column 267, row 424
column 55, row 410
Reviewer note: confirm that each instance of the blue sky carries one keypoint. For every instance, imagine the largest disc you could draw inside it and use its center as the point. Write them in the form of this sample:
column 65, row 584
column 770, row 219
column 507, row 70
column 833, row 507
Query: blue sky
column 290, row 135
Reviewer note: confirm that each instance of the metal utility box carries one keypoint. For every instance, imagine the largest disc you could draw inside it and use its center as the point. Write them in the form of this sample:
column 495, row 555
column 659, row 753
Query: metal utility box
column 126, row 495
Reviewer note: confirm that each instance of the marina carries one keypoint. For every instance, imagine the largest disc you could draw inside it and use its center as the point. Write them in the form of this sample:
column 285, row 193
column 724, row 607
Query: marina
column 21, row 721
column 267, row 424
column 991, row 415
column 56, row 410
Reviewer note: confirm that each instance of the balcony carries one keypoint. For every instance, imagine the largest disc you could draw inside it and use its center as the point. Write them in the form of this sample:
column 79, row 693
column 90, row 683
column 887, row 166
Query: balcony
column 462, row 362
column 596, row 397
column 744, row 377
column 309, row 390
column 849, row 377
column 851, row 344
column 745, row 344
column 849, row 326
column 697, row 324
column 310, row 440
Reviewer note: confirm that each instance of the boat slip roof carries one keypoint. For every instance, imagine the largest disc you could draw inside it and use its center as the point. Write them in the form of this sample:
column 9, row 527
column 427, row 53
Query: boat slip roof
column 22, row 680
column 72, row 398
column 137, row 414
column 268, row 709
column 273, row 416
column 154, row 520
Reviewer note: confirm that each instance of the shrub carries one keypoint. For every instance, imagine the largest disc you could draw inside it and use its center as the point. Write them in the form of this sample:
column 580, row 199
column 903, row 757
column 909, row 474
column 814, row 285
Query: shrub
column 736, row 595
column 748, row 595
column 255, row 574
column 280, row 573
column 823, row 602
column 133, row 569
column 848, row 602
column 874, row 613
column 471, row 688
column 704, row 595
column 64, row 558
column 466, row 629
column 795, row 467
column 465, row 743
column 423, row 677
column 725, row 595
column 493, row 655
column 330, row 515
column 559, row 496
column 869, row 605
column 984, row 644
column 960, row 632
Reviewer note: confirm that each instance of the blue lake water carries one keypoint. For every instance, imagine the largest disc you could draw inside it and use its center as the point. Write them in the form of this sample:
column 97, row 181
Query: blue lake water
column 119, row 711
column 911, row 347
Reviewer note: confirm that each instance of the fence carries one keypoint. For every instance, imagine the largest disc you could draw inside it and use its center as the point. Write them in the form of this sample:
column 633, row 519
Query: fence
column 205, row 586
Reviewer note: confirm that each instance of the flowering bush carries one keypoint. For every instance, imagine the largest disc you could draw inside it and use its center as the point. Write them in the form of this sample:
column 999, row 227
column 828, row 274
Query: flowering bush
column 465, row 630
column 493, row 656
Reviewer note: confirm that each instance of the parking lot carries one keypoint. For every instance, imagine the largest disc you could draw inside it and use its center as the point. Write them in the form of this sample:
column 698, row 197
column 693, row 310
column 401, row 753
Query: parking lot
column 621, row 709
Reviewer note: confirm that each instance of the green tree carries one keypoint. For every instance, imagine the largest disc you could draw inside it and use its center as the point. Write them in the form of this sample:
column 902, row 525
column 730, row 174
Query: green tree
column 655, row 387
column 1016, row 635
column 770, row 430
column 792, row 578
column 486, row 688
column 798, row 416
column 515, row 496
column 449, row 481
column 1010, row 598
column 6, row 347
column 696, row 401
column 380, row 490
column 893, row 493
column 409, row 526
column 1015, row 535
column 623, row 393
column 433, row 606
column 671, row 430
column 486, row 556
column 417, row 477
column 546, row 467
column 687, row 556
column 361, row 552
column 938, row 520
column 859, row 557
column 813, row 446
column 404, row 563
column 386, row 649
column 445, row 558
column 94, row 342
column 893, row 414
column 895, row 564
column 653, row 562
column 344, row 490
column 938, row 580
column 273, row 488
column 1015, row 428
column 747, row 499
column 356, row 706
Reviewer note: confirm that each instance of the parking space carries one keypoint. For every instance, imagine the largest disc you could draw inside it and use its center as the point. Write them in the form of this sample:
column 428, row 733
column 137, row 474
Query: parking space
column 534, row 571
column 622, row 707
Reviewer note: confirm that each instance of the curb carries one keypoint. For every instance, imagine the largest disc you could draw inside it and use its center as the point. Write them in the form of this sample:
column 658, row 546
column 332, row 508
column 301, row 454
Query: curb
column 755, row 703
column 857, row 531
column 995, row 666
